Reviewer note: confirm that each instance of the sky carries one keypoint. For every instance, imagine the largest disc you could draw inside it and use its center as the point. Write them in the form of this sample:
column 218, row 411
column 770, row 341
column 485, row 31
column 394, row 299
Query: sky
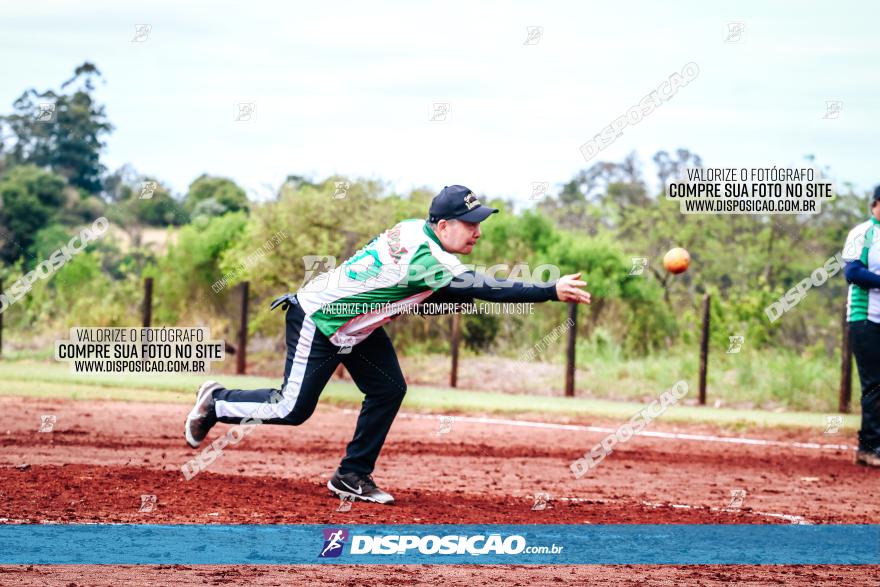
column 350, row 88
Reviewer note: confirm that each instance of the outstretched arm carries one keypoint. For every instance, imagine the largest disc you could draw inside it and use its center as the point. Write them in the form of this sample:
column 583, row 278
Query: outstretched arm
column 471, row 285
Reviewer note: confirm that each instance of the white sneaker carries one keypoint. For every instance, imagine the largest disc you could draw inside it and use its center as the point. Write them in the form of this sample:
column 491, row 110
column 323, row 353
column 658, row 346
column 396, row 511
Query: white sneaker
column 202, row 417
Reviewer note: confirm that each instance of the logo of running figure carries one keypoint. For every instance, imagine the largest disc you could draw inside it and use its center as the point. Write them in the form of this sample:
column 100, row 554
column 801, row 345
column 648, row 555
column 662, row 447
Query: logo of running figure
column 639, row 264
column 539, row 190
column 345, row 502
column 316, row 265
column 334, row 541
column 142, row 33
column 46, row 112
column 47, row 423
column 736, row 499
column 832, row 109
column 440, row 112
column 541, row 500
column 533, row 35
column 736, row 343
column 148, row 189
column 148, row 503
column 341, row 190
column 833, row 424
column 345, row 344
column 735, row 32
column 244, row 112
column 446, row 423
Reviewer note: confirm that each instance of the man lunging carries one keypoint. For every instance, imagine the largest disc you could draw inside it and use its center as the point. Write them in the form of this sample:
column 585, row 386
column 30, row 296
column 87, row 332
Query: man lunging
column 338, row 317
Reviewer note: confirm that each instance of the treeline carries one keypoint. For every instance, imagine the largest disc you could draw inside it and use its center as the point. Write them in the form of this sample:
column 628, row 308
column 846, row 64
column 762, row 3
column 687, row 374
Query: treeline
column 52, row 182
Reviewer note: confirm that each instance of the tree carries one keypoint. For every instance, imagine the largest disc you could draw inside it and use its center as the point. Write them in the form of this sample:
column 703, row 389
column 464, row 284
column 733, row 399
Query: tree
column 120, row 185
column 30, row 199
column 598, row 196
column 63, row 132
column 138, row 200
column 669, row 167
column 224, row 192
column 156, row 206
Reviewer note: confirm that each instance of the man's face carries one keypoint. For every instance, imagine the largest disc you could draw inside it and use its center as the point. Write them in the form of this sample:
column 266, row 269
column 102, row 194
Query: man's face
column 875, row 209
column 458, row 236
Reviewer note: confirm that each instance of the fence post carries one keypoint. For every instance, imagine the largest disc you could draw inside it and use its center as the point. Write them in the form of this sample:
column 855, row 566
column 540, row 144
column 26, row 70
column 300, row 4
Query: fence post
column 241, row 351
column 845, row 394
column 456, row 339
column 569, row 359
column 704, row 349
column 148, row 302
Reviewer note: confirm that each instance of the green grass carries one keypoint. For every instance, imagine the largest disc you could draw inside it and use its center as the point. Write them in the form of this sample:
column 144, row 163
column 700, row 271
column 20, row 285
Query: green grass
column 32, row 379
column 766, row 379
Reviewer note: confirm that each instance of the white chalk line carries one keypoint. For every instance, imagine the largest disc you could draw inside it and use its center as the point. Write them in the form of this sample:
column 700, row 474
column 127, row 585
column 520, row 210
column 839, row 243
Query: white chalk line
column 788, row 517
column 794, row 519
column 681, row 506
column 648, row 433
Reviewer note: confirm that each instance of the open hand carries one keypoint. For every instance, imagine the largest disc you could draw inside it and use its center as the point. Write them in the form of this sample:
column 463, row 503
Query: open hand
column 568, row 289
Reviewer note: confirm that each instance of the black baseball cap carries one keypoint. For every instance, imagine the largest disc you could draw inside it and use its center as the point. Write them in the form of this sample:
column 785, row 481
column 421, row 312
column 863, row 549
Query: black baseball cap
column 876, row 194
column 459, row 203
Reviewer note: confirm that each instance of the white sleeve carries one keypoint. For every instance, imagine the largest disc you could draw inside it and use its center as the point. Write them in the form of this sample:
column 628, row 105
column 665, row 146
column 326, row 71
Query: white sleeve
column 855, row 241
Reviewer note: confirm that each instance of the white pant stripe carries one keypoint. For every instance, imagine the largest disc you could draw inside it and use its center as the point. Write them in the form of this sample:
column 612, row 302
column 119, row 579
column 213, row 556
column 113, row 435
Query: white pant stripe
column 290, row 393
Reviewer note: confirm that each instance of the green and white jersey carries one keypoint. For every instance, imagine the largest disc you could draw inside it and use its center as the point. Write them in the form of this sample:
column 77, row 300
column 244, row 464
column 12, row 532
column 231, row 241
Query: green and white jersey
column 397, row 269
column 863, row 243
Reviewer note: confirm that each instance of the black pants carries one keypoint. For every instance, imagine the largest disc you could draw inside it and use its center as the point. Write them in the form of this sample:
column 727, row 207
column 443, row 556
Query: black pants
column 311, row 361
column 864, row 338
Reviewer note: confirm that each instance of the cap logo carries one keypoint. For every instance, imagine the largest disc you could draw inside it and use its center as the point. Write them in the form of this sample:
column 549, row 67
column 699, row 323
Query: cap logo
column 471, row 201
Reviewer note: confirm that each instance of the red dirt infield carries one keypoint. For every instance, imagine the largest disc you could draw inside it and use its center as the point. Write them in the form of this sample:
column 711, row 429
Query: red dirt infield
column 101, row 457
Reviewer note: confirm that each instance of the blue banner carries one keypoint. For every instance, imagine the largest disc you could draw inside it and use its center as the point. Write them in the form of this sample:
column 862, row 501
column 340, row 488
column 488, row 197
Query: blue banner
column 440, row 544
